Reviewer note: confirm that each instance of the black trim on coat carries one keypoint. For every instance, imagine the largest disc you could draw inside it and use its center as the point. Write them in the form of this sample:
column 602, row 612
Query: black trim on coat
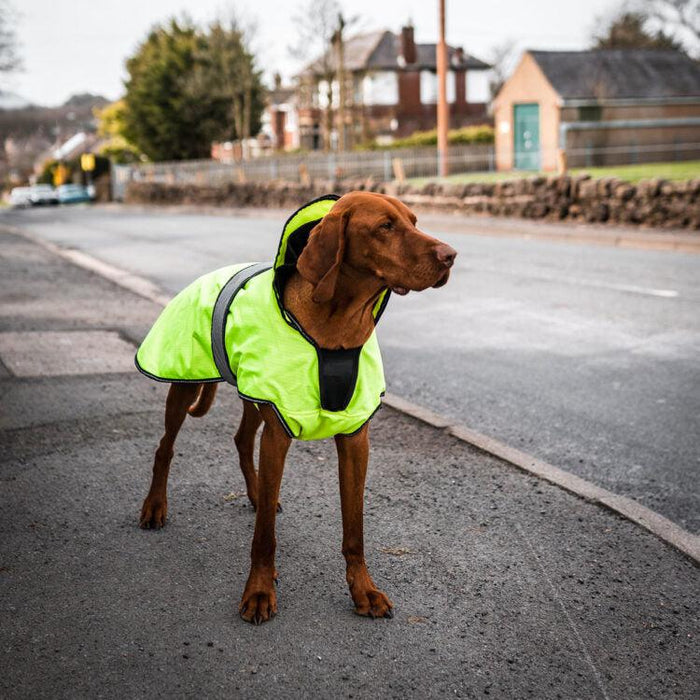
column 374, row 413
column 273, row 405
column 173, row 381
column 334, row 197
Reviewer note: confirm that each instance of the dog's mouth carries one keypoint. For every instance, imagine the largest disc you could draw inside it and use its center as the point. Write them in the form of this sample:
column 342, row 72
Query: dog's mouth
column 442, row 280
column 401, row 291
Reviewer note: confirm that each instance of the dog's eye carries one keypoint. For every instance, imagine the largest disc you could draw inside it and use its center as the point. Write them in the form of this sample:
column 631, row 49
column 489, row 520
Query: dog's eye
column 387, row 225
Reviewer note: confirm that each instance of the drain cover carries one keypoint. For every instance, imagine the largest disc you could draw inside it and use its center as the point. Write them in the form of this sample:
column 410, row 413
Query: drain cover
column 52, row 353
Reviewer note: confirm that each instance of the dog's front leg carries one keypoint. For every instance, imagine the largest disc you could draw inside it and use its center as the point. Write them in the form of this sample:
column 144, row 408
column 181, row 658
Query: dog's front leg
column 259, row 601
column 353, row 455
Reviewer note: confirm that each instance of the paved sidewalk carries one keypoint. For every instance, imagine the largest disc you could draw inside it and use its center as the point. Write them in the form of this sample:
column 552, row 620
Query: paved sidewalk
column 503, row 584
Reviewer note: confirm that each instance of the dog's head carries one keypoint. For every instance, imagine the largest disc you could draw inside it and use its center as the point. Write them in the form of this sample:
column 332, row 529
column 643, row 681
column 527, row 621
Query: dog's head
column 376, row 235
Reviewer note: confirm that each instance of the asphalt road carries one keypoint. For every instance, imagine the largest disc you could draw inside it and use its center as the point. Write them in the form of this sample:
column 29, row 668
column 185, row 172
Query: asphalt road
column 504, row 586
column 582, row 355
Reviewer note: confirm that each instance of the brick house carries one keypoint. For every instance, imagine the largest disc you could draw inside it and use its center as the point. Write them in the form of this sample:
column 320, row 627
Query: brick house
column 600, row 107
column 280, row 120
column 390, row 89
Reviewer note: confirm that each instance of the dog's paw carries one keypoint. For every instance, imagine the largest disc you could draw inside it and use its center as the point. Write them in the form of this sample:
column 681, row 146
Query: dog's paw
column 258, row 607
column 259, row 602
column 153, row 514
column 369, row 600
column 372, row 603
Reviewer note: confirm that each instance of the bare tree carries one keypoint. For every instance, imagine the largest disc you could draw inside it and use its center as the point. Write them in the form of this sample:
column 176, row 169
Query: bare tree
column 501, row 60
column 317, row 23
column 683, row 15
column 679, row 19
column 9, row 57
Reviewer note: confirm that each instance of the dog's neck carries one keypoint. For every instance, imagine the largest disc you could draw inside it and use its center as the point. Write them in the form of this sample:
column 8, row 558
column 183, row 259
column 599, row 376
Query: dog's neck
column 346, row 320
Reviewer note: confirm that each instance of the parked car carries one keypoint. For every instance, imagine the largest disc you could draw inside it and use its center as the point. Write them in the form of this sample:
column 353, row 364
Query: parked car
column 43, row 194
column 72, row 194
column 21, row 197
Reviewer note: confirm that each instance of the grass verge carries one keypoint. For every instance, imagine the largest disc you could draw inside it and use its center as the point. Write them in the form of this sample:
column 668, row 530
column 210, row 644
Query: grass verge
column 685, row 170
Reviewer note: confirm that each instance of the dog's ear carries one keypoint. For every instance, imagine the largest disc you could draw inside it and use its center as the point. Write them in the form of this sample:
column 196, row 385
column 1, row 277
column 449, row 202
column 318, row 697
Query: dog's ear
column 319, row 262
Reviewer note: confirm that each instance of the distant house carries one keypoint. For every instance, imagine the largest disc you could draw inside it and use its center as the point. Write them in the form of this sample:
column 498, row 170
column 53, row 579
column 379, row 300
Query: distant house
column 390, row 89
column 599, row 107
column 280, row 121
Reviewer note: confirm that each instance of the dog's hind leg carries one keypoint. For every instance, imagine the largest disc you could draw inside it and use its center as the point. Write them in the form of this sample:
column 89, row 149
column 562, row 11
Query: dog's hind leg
column 155, row 507
column 204, row 400
column 245, row 444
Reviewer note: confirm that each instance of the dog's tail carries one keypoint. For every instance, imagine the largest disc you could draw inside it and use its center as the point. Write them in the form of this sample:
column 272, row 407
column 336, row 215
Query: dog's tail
column 204, row 400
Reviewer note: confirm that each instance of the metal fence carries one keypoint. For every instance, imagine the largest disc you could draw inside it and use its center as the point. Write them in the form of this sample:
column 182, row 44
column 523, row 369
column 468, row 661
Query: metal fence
column 379, row 165
column 386, row 165
column 588, row 156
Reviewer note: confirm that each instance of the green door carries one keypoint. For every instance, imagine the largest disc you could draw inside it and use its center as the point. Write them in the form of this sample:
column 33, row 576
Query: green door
column 526, row 142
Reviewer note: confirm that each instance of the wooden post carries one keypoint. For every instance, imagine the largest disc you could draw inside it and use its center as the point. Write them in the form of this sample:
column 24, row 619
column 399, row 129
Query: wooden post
column 399, row 172
column 304, row 175
column 443, row 115
column 561, row 161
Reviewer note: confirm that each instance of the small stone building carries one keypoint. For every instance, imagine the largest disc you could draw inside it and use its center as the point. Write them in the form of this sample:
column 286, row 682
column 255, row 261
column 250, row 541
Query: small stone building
column 602, row 107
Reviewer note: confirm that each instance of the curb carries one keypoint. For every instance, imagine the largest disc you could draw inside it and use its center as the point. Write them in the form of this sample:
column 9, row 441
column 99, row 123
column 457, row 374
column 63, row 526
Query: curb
column 685, row 542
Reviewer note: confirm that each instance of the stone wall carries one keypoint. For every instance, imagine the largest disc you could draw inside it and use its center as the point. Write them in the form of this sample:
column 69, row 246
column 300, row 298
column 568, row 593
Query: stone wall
column 657, row 203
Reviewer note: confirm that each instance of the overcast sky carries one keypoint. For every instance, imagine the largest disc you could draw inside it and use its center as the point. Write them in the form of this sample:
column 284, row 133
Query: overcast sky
column 80, row 45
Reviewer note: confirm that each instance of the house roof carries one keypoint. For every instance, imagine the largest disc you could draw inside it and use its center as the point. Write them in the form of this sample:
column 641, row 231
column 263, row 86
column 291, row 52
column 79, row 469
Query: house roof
column 620, row 74
column 381, row 50
column 280, row 95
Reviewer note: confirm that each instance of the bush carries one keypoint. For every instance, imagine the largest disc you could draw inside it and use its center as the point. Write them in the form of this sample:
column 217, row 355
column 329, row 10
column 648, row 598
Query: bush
column 481, row 133
column 74, row 172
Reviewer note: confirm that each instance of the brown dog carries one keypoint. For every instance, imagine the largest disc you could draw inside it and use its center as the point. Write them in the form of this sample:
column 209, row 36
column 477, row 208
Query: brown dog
column 364, row 245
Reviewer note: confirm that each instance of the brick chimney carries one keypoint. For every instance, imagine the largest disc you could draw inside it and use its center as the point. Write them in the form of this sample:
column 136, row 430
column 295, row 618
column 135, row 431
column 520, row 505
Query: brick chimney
column 408, row 45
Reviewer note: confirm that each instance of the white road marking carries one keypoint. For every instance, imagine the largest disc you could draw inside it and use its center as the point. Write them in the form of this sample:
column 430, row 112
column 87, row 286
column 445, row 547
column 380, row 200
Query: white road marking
column 666, row 293
column 577, row 281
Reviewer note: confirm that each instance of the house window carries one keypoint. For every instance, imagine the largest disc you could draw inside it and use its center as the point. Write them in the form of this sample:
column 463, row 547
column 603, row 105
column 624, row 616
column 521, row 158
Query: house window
column 380, row 88
column 478, row 90
column 451, row 87
column 590, row 113
column 292, row 122
column 323, row 94
column 429, row 87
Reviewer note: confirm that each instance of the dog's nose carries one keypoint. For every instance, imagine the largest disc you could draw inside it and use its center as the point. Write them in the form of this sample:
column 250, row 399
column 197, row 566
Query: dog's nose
column 445, row 254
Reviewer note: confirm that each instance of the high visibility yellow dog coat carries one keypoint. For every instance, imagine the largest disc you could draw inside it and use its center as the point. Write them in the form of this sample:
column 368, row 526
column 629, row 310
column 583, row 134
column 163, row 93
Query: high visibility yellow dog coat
column 230, row 325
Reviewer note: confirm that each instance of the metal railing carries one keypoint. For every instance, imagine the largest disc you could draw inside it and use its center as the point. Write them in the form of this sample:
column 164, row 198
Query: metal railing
column 380, row 165
column 386, row 165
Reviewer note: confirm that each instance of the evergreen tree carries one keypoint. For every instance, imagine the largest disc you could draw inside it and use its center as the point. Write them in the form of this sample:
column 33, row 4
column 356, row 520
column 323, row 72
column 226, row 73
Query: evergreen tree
column 187, row 88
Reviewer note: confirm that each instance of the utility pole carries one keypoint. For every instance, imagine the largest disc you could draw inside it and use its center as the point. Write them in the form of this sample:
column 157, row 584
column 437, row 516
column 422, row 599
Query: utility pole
column 443, row 115
column 340, row 45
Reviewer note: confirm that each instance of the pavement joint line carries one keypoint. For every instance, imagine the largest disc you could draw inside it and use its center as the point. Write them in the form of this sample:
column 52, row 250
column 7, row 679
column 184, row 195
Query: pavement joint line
column 682, row 540
column 537, row 555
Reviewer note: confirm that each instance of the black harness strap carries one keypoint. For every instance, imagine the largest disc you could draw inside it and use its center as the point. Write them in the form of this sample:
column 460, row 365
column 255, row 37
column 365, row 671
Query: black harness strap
column 220, row 314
